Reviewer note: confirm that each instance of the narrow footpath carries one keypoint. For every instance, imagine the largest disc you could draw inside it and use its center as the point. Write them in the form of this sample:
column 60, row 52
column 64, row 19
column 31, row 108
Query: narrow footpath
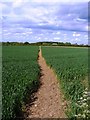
column 49, row 102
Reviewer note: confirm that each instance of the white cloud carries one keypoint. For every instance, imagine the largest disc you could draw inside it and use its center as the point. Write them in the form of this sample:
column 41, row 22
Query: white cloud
column 58, row 33
column 86, row 36
column 87, row 28
column 57, row 38
column 41, row 21
column 2, row 5
column 76, row 34
column 46, row 1
column 59, row 1
column 17, row 3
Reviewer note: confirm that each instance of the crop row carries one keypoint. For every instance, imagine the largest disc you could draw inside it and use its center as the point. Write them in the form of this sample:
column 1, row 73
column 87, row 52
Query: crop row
column 71, row 67
column 20, row 73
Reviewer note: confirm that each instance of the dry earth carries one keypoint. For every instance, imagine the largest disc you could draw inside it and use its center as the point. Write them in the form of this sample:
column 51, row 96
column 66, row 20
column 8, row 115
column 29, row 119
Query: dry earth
column 49, row 102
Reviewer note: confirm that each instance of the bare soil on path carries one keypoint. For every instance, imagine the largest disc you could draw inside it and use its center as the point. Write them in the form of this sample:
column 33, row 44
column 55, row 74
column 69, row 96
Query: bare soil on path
column 49, row 102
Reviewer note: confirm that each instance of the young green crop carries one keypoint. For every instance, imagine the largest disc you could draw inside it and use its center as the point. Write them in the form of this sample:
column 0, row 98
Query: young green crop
column 20, row 72
column 71, row 67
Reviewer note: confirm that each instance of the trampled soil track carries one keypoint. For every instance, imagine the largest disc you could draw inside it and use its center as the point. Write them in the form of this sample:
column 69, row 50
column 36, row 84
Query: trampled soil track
column 49, row 103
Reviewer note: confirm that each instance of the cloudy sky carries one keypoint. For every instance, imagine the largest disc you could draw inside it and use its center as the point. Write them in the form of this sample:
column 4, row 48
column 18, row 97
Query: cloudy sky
column 44, row 20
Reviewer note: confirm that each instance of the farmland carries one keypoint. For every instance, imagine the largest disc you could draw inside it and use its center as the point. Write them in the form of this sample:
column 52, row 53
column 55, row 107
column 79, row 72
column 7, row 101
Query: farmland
column 0, row 81
column 20, row 72
column 71, row 67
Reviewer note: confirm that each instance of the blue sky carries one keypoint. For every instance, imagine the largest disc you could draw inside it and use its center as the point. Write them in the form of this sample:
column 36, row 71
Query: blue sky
column 44, row 20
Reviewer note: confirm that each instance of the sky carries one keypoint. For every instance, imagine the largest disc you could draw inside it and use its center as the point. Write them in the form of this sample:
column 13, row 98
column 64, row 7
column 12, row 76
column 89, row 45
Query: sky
column 44, row 20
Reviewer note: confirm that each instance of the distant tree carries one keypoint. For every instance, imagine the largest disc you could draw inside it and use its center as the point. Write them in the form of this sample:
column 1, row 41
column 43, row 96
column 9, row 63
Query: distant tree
column 26, row 43
column 7, row 43
column 67, row 44
column 60, row 43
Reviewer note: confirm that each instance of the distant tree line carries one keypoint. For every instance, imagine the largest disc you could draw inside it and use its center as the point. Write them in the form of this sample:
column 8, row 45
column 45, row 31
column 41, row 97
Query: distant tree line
column 42, row 44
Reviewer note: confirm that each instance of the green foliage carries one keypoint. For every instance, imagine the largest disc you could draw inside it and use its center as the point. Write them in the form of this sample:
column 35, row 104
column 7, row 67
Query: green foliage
column 43, row 44
column 0, row 81
column 20, row 74
column 71, row 67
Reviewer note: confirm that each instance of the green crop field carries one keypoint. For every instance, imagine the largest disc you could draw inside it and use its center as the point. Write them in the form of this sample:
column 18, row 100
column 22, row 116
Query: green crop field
column 71, row 67
column 0, row 81
column 20, row 72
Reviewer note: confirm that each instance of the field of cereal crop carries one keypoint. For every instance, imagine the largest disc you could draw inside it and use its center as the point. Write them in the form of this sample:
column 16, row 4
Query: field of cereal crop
column 20, row 72
column 71, row 67
column 20, row 75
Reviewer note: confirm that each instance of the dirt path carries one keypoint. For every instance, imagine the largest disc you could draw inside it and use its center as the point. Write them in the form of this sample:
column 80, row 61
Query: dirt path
column 49, row 102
